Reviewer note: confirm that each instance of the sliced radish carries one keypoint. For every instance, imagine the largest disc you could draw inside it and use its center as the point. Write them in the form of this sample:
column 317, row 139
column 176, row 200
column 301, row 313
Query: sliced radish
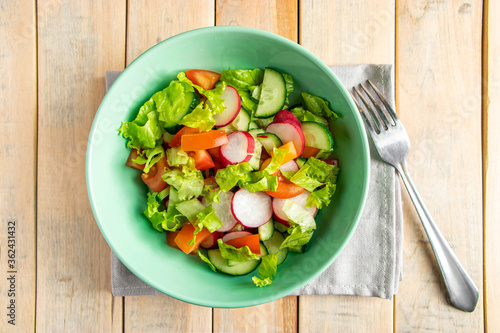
column 251, row 209
column 300, row 200
column 223, row 211
column 290, row 166
column 235, row 234
column 288, row 132
column 285, row 116
column 232, row 102
column 211, row 241
column 239, row 148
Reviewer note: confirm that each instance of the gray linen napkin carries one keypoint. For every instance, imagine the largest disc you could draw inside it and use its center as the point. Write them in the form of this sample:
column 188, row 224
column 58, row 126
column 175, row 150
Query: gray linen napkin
column 371, row 263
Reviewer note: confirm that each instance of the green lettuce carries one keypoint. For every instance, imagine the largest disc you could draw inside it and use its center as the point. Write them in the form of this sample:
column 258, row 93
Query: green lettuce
column 248, row 102
column 228, row 177
column 208, row 219
column 288, row 84
column 322, row 196
column 211, row 192
column 162, row 219
column 149, row 157
column 177, row 157
column 243, row 79
column 302, row 225
column 231, row 253
column 188, row 181
column 204, row 258
column 201, row 117
column 267, row 269
column 305, row 115
column 318, row 106
column 145, row 130
column 190, row 208
column 173, row 102
column 214, row 99
column 312, row 174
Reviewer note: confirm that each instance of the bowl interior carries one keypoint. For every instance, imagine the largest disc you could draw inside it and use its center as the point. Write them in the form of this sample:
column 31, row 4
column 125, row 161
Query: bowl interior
column 118, row 196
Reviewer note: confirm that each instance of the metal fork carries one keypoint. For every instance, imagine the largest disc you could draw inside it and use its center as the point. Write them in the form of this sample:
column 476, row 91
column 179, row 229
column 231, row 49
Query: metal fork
column 392, row 143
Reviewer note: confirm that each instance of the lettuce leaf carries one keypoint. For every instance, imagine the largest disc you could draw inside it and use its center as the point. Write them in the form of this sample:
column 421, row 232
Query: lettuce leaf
column 247, row 101
column 177, row 157
column 190, row 209
column 302, row 225
column 145, row 130
column 318, row 106
column 211, row 192
column 188, row 181
column 266, row 183
column 149, row 157
column 231, row 253
column 170, row 219
column 173, row 102
column 312, row 174
column 243, row 79
column 204, row 258
column 322, row 196
column 305, row 115
column 208, row 219
column 228, row 177
column 267, row 269
column 214, row 99
column 201, row 117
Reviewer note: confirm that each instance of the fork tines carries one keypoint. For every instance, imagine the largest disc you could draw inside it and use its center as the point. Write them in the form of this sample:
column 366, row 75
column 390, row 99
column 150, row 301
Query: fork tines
column 380, row 117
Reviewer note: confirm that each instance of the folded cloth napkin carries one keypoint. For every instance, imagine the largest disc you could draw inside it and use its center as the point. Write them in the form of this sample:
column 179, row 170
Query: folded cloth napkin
column 371, row 262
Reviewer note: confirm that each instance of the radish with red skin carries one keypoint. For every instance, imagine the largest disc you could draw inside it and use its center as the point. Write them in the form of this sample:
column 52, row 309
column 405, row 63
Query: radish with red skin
column 239, row 148
column 288, row 132
column 300, row 200
column 235, row 234
column 252, row 209
column 211, row 241
column 223, row 211
column 290, row 166
column 285, row 116
column 232, row 102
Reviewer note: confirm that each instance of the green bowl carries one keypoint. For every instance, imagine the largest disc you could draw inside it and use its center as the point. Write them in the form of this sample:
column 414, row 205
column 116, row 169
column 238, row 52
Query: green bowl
column 118, row 196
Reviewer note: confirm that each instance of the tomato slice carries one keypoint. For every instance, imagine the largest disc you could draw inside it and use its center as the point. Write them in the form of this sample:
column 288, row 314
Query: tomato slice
column 286, row 189
column 153, row 177
column 132, row 156
column 202, row 159
column 252, row 241
column 203, row 78
column 310, row 152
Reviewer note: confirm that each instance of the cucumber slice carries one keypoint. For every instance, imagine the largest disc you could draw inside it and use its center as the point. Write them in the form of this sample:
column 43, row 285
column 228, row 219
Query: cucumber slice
column 280, row 227
column 263, row 252
column 317, row 135
column 253, row 125
column 263, row 122
column 241, row 268
column 272, row 95
column 298, row 249
column 273, row 246
column 255, row 160
column 266, row 231
column 242, row 121
column 269, row 141
column 255, row 131
column 300, row 161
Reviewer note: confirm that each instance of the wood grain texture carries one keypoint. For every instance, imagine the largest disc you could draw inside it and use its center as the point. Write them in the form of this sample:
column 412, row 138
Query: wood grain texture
column 439, row 101
column 77, row 43
column 491, row 164
column 147, row 26
column 277, row 316
column 277, row 16
column 165, row 314
column 346, row 33
column 18, row 165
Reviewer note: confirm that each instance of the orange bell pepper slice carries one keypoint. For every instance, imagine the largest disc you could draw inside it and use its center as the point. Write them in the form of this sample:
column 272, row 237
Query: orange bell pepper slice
column 176, row 140
column 291, row 152
column 203, row 141
column 252, row 241
column 186, row 234
column 286, row 189
column 310, row 151
column 171, row 239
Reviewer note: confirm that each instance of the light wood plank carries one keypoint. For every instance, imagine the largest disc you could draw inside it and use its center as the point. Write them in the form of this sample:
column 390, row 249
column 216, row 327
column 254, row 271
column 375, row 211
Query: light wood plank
column 491, row 164
column 346, row 33
column 439, row 100
column 280, row 17
column 77, row 43
column 18, row 165
column 277, row 16
column 147, row 26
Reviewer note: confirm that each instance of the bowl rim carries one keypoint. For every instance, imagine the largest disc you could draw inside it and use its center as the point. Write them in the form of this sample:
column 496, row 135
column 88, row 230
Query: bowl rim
column 365, row 153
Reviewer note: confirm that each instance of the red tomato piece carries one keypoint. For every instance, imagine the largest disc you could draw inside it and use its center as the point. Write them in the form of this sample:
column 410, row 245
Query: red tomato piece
column 153, row 177
column 203, row 78
column 132, row 156
column 202, row 159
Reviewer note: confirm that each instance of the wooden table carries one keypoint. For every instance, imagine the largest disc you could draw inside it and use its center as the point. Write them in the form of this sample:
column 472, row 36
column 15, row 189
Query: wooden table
column 53, row 56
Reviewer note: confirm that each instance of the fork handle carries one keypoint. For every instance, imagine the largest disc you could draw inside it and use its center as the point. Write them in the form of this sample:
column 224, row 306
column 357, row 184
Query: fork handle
column 462, row 291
